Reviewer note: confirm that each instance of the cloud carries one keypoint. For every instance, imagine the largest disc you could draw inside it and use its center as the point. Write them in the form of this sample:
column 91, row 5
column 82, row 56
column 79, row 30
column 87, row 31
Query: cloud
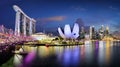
column 116, row 26
column 113, row 8
column 43, row 22
column 53, row 18
column 78, row 8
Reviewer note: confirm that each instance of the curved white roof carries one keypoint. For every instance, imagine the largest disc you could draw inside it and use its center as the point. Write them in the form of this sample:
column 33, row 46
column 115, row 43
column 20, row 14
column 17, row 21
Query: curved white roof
column 61, row 33
column 67, row 31
column 75, row 32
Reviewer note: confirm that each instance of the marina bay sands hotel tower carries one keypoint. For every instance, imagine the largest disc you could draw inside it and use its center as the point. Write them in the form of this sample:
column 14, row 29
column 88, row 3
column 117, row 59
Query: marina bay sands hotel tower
column 24, row 25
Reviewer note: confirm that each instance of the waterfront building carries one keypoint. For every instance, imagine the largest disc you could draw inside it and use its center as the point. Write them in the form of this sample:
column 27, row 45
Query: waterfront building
column 87, row 37
column 67, row 32
column 82, row 30
column 101, row 32
column 42, row 37
column 24, row 24
column 82, row 33
column 107, row 31
column 86, row 29
column 102, row 28
column 92, row 32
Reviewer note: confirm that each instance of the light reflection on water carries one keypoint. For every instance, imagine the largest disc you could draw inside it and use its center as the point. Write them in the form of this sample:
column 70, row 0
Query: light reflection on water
column 17, row 60
column 97, row 53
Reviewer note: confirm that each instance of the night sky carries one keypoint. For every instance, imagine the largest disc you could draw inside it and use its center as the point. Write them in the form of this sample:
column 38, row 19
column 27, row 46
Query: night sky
column 51, row 14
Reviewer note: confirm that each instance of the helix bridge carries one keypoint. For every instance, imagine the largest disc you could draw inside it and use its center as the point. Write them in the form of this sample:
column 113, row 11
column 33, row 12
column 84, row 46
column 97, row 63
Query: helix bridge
column 9, row 40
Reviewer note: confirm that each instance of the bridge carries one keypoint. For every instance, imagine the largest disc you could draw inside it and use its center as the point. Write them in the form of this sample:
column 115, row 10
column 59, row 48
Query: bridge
column 24, row 27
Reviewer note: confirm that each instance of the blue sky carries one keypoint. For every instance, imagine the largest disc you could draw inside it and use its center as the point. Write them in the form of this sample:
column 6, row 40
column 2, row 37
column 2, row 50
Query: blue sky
column 51, row 14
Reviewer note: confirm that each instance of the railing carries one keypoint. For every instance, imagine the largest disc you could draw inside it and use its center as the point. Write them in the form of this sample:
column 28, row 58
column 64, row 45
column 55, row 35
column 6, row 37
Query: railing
column 10, row 39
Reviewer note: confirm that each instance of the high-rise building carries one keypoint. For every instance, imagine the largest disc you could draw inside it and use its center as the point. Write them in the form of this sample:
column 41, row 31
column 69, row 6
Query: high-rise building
column 86, row 29
column 82, row 33
column 82, row 30
column 2, row 29
column 24, row 25
column 107, row 30
column 102, row 28
column 92, row 32
column 101, row 32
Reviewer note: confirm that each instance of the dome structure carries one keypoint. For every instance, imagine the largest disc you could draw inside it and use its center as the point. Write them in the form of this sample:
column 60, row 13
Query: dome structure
column 68, row 34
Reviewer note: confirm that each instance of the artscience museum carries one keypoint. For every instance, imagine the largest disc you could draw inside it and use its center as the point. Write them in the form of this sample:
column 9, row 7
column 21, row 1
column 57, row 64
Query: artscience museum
column 68, row 33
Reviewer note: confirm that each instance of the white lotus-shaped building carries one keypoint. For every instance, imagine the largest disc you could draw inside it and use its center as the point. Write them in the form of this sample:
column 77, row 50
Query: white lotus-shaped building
column 68, row 34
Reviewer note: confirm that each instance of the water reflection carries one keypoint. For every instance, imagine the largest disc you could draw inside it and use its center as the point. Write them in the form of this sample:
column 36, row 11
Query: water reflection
column 82, row 54
column 108, row 51
column 95, row 53
column 101, row 56
column 88, row 53
column 17, row 60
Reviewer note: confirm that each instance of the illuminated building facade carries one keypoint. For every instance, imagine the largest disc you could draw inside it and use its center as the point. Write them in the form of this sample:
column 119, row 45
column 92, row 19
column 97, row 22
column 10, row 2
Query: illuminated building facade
column 92, row 32
column 2, row 29
column 101, row 32
column 107, row 31
column 42, row 36
column 82, row 30
column 24, row 25
column 82, row 33
column 67, row 32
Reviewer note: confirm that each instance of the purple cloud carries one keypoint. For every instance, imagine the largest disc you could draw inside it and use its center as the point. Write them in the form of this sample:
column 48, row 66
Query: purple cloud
column 53, row 18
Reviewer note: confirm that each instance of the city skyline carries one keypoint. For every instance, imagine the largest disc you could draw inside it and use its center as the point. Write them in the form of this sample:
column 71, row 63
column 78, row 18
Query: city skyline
column 63, row 33
column 52, row 14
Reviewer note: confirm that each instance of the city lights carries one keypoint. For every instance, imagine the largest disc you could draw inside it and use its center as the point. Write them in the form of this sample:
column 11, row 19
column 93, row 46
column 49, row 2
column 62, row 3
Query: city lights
column 62, row 33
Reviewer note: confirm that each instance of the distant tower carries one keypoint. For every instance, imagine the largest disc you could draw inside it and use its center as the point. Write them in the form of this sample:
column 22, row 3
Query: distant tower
column 92, row 31
column 107, row 30
column 10, row 31
column 2, row 29
column 101, row 32
column 82, row 29
column 82, row 33
column 102, row 28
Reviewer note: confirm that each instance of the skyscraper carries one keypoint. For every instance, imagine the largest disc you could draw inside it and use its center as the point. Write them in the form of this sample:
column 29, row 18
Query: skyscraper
column 101, row 32
column 82, row 30
column 107, row 31
column 92, row 32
